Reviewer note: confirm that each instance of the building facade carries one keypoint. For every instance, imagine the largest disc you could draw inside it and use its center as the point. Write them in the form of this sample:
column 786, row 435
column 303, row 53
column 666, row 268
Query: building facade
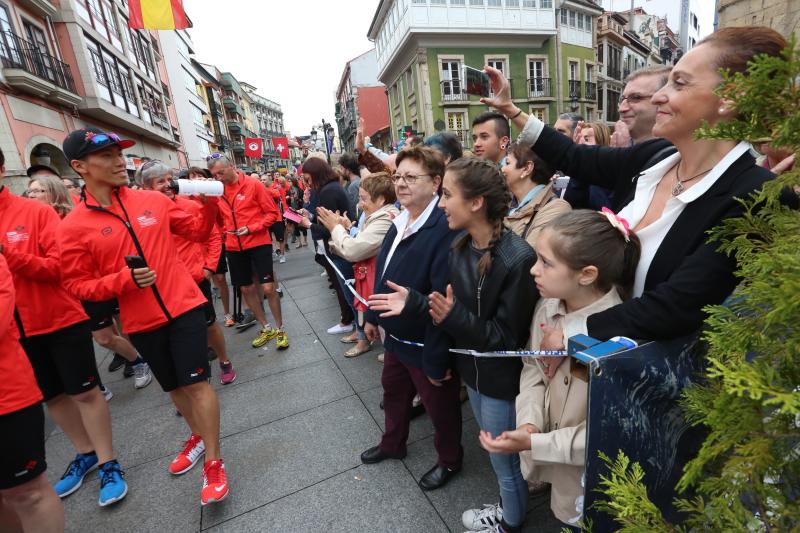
column 361, row 95
column 209, row 77
column 422, row 47
column 689, row 19
column 267, row 121
column 781, row 15
column 76, row 63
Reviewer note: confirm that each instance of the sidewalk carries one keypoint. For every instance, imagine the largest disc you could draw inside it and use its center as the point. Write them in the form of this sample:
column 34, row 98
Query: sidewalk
column 293, row 426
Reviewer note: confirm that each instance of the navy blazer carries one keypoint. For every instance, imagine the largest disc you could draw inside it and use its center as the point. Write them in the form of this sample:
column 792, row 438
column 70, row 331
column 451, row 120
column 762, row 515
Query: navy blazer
column 419, row 262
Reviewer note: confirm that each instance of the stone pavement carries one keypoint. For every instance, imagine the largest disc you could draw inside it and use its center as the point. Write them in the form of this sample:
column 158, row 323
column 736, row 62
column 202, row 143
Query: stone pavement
column 293, row 426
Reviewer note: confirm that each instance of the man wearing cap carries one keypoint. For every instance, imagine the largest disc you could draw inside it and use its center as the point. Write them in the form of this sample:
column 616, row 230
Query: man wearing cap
column 54, row 332
column 117, row 242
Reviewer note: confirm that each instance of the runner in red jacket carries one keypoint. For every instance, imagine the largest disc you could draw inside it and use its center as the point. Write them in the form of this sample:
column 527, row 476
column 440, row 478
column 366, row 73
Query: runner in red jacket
column 55, row 334
column 160, row 304
column 249, row 211
column 200, row 258
column 23, row 485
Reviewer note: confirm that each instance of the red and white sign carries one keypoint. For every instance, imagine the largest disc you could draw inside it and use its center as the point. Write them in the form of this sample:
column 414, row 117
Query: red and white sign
column 281, row 144
column 252, row 147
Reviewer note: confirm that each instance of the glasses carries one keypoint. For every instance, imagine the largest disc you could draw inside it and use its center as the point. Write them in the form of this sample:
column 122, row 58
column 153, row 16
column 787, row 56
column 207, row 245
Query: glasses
column 410, row 179
column 32, row 192
column 98, row 138
column 634, row 98
column 214, row 156
column 71, row 186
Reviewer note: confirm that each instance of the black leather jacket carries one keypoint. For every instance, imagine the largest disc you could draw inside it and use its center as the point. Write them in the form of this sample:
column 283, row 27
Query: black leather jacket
column 492, row 312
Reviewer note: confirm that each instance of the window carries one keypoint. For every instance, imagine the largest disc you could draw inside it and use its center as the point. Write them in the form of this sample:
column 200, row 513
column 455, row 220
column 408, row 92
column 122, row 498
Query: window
column 572, row 22
column 197, row 115
column 600, row 57
column 589, row 114
column 529, row 3
column 476, row 2
column 539, row 112
column 573, row 70
column 457, row 123
column 538, row 84
column 100, row 15
column 495, row 3
column 499, row 64
column 451, row 78
column 512, row 3
column 456, row 2
column 9, row 48
column 588, row 23
column 590, row 73
column 563, row 16
column 546, row 4
column 189, row 81
column 409, row 82
column 580, row 21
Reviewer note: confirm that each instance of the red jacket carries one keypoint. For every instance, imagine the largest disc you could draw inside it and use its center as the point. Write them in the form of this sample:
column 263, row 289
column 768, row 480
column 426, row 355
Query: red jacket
column 279, row 194
column 246, row 202
column 28, row 235
column 94, row 241
column 196, row 255
column 18, row 388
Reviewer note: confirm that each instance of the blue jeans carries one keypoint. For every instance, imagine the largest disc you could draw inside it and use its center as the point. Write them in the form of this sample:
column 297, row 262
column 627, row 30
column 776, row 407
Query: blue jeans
column 497, row 416
column 346, row 268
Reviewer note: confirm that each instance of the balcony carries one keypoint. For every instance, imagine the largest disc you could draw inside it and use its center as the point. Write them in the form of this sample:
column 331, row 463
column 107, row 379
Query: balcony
column 539, row 88
column 452, row 91
column 238, row 147
column 43, row 8
column 232, row 105
column 30, row 70
column 591, row 90
column 614, row 74
column 234, row 126
column 221, row 141
column 574, row 89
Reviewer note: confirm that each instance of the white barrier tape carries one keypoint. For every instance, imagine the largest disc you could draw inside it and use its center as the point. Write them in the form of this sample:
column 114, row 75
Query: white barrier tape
column 410, row 343
column 518, row 353
column 347, row 282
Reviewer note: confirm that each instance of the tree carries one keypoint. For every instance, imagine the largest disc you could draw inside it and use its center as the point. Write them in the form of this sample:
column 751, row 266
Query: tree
column 746, row 476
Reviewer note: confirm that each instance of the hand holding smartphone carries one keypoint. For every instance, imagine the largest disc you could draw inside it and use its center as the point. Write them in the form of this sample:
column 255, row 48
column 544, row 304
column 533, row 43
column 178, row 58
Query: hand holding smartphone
column 476, row 82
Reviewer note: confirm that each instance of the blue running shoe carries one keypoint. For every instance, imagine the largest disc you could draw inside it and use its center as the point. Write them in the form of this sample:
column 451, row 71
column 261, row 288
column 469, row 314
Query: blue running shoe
column 73, row 476
column 112, row 487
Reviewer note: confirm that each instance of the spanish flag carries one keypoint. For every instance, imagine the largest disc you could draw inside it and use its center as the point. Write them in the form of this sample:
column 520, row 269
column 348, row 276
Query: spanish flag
column 157, row 15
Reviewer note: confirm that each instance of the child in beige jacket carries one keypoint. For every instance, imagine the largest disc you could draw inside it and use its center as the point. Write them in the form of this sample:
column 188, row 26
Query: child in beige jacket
column 586, row 263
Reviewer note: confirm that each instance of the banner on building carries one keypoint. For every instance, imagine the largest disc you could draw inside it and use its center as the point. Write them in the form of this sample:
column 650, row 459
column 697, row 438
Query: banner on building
column 281, row 144
column 157, row 15
column 253, row 147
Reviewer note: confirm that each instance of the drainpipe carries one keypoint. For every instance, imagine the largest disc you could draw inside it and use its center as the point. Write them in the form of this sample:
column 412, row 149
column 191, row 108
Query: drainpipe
column 559, row 102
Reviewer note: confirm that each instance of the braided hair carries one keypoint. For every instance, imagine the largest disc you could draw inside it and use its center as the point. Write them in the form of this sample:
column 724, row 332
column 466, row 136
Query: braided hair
column 477, row 177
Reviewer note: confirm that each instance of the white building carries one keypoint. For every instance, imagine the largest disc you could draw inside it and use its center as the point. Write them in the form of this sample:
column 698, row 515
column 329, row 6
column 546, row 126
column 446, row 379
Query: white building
column 190, row 106
column 690, row 19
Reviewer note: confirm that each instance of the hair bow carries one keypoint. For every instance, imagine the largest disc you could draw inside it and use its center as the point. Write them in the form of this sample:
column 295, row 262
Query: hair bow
column 618, row 222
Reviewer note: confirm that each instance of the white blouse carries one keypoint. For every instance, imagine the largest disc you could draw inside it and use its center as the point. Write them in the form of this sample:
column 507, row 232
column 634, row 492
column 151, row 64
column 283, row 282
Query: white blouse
column 652, row 236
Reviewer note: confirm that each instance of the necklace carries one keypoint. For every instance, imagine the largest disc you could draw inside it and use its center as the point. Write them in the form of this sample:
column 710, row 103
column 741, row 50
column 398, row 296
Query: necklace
column 679, row 188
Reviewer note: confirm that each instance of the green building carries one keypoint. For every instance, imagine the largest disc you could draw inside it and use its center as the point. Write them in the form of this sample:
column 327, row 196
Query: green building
column 422, row 46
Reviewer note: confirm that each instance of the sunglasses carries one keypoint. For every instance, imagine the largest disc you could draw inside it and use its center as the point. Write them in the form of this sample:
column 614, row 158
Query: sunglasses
column 214, row 156
column 104, row 137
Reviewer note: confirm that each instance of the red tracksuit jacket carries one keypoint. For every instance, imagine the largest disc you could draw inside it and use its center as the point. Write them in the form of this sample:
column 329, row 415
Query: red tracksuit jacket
column 246, row 202
column 195, row 255
column 28, row 235
column 94, row 241
column 18, row 388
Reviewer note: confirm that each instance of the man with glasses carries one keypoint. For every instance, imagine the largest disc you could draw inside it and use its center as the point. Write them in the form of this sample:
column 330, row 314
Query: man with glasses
column 637, row 114
column 248, row 211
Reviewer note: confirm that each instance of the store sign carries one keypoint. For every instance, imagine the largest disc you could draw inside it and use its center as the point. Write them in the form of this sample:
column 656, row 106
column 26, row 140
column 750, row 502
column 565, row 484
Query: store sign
column 132, row 163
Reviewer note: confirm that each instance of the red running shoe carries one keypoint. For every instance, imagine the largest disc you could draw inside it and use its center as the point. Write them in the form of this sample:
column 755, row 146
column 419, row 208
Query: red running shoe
column 193, row 449
column 215, row 482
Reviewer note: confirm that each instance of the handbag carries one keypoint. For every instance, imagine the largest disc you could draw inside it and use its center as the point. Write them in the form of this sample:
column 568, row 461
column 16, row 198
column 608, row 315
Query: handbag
column 364, row 275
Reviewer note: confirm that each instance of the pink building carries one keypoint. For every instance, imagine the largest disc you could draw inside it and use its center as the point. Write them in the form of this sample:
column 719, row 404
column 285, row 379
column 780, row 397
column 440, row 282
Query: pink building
column 65, row 64
column 361, row 95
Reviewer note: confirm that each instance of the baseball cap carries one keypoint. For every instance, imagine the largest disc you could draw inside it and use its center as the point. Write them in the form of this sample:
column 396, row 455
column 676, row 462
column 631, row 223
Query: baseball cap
column 33, row 169
column 85, row 141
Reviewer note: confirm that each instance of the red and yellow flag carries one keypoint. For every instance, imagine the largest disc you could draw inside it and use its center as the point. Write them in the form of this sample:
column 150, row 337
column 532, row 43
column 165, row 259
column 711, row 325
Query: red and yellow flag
column 157, row 15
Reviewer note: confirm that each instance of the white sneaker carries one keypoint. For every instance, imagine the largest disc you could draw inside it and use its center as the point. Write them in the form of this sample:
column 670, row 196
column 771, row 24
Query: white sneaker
column 106, row 392
column 489, row 529
column 338, row 329
column 142, row 375
column 282, row 259
column 482, row 519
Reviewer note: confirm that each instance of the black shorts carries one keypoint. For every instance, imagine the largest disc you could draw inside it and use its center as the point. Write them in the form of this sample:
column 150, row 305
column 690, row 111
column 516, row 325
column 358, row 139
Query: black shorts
column 101, row 314
column 22, row 448
column 211, row 314
column 63, row 361
column 222, row 266
column 253, row 262
column 177, row 352
column 278, row 229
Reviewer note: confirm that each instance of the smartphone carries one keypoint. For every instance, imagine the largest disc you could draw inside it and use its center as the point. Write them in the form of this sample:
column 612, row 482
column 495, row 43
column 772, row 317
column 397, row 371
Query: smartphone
column 561, row 182
column 135, row 261
column 476, row 81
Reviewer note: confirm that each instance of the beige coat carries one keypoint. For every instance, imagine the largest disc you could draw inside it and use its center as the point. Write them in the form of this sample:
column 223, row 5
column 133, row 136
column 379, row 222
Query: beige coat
column 545, row 212
column 368, row 241
column 558, row 408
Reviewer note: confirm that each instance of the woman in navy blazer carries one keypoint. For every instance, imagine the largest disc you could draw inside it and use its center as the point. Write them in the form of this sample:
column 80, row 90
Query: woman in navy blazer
column 417, row 359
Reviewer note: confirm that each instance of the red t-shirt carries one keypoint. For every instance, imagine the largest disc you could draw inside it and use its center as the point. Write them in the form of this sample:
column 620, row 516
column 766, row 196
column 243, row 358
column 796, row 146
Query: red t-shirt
column 18, row 388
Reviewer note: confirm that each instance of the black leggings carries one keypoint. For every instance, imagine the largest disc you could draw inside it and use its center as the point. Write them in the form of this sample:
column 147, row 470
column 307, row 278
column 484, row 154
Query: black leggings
column 344, row 308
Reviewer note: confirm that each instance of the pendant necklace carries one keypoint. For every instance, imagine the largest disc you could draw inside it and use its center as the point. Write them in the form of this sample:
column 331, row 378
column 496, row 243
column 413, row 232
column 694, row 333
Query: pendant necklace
column 679, row 188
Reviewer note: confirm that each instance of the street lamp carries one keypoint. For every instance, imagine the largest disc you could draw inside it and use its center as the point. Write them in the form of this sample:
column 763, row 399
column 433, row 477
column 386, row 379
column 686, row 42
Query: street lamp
column 327, row 129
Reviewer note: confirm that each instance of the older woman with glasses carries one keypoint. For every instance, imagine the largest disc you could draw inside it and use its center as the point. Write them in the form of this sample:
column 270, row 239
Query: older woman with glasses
column 414, row 254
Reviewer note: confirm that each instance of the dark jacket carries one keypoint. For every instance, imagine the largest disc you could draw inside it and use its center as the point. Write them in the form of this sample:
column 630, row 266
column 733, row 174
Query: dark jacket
column 493, row 313
column 419, row 263
column 687, row 273
column 332, row 196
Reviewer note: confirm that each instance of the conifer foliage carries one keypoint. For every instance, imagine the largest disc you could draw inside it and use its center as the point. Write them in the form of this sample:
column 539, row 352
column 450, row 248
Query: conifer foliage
column 746, row 476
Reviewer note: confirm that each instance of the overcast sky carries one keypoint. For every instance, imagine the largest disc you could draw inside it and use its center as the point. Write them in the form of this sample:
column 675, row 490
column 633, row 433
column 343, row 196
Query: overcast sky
column 293, row 51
